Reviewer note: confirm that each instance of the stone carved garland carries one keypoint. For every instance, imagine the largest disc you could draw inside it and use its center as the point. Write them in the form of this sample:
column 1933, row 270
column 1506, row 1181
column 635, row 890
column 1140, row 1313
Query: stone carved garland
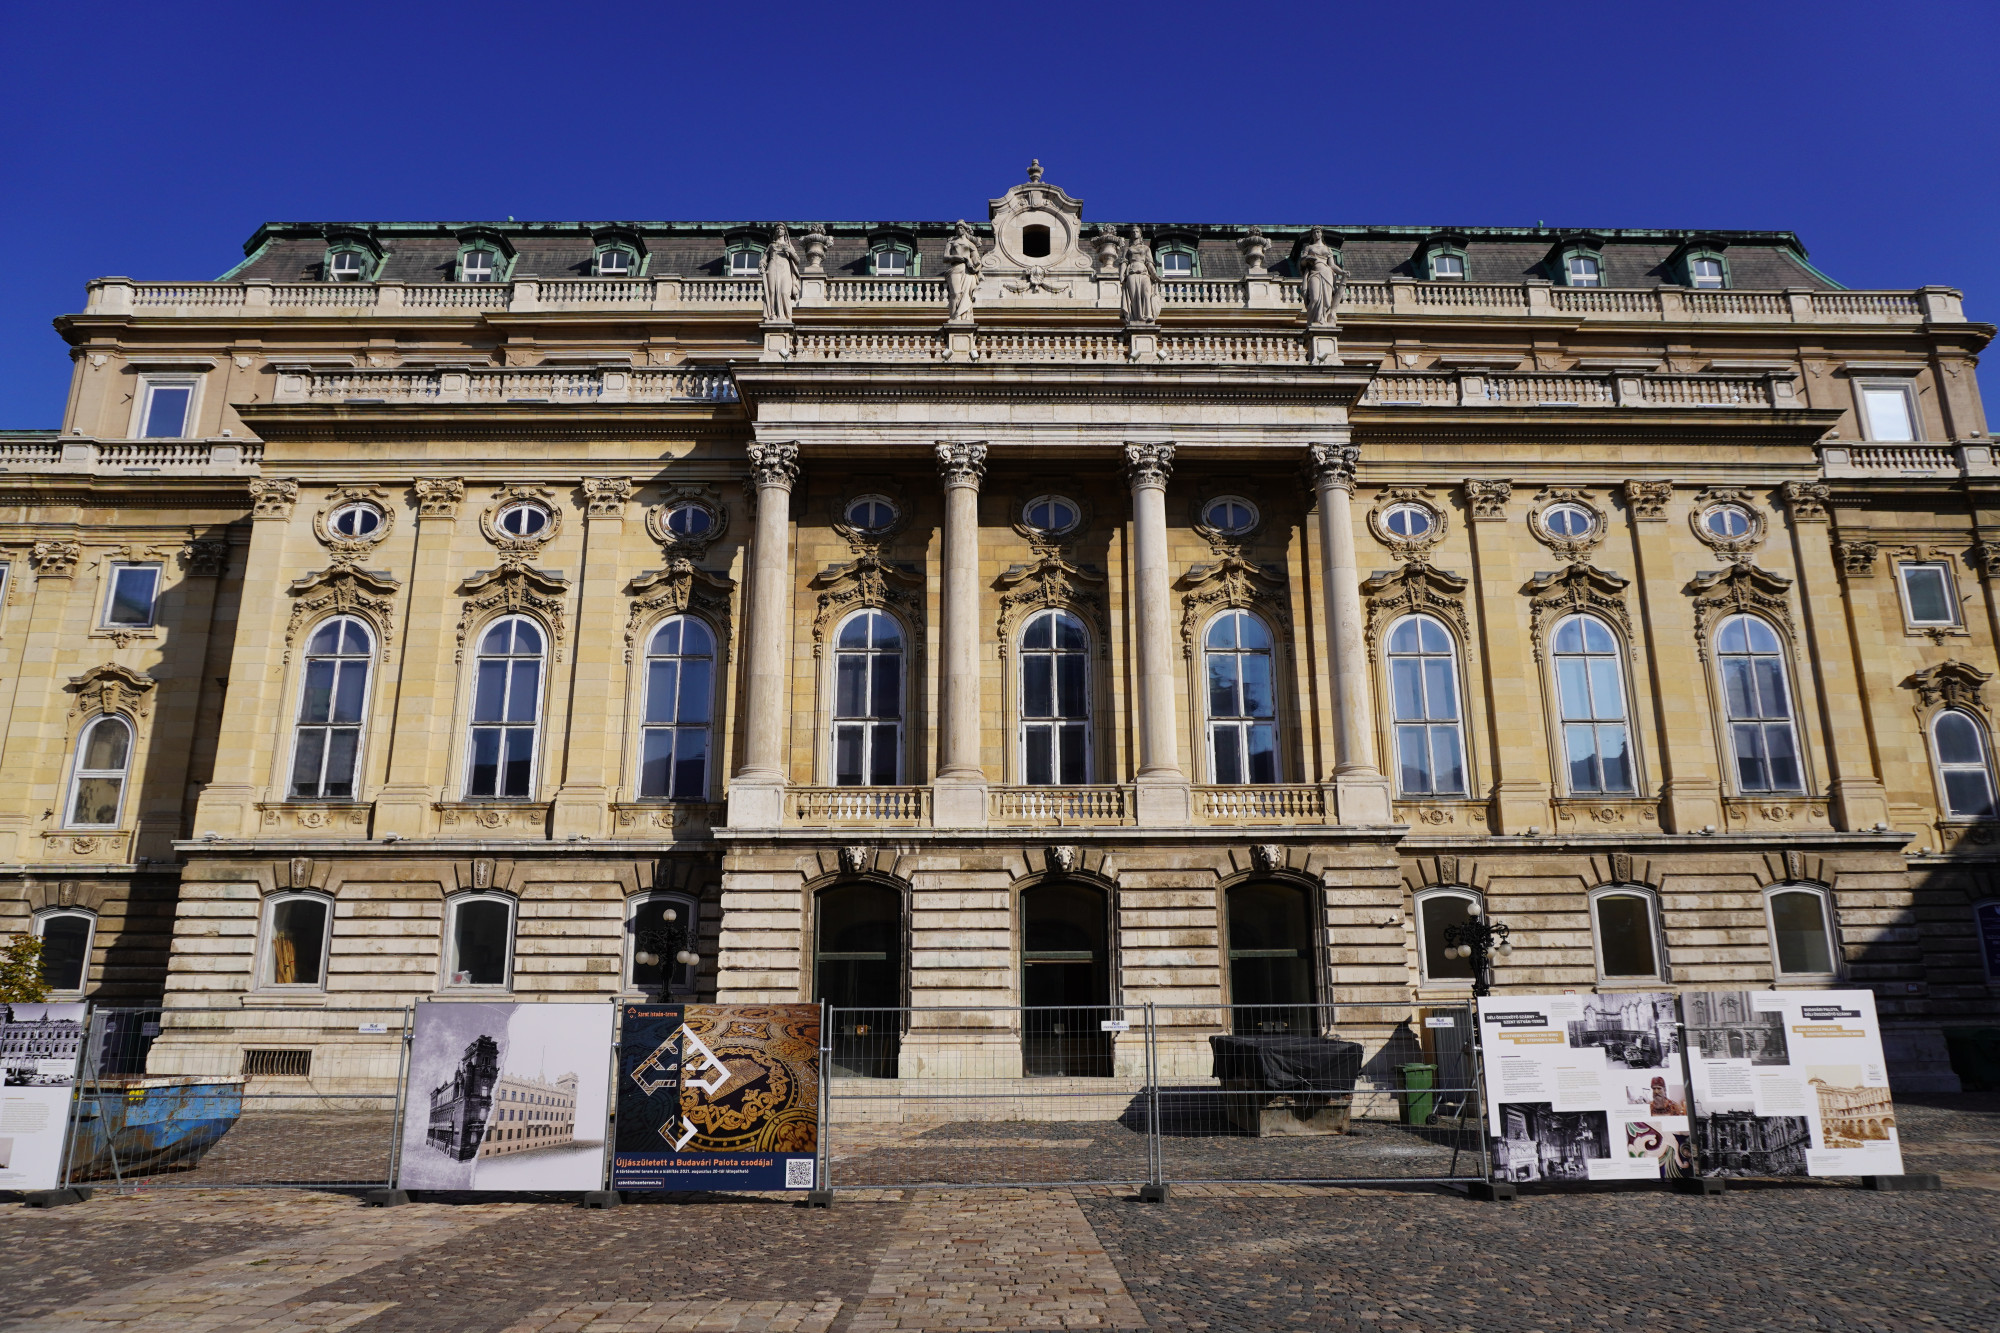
column 111, row 688
column 866, row 581
column 1742, row 587
column 511, row 589
column 676, row 590
column 343, row 589
column 1575, row 588
column 1952, row 684
column 1050, row 583
column 1229, row 582
column 1414, row 589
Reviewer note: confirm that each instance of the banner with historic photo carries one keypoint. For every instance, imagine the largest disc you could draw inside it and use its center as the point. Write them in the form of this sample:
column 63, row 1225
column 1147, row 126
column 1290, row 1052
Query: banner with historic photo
column 506, row 1097
column 1584, row 1087
column 717, row 1096
column 40, row 1045
column 1790, row 1083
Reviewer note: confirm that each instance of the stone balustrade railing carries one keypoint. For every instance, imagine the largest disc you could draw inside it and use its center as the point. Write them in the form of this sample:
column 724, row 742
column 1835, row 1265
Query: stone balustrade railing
column 860, row 805
column 1888, row 462
column 93, row 457
column 532, row 384
column 1261, row 805
column 1770, row 390
column 1059, row 806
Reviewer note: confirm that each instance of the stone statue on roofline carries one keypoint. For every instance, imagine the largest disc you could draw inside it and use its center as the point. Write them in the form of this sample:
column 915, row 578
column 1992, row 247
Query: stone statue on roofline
column 781, row 277
column 962, row 263
column 1325, row 280
column 1141, row 282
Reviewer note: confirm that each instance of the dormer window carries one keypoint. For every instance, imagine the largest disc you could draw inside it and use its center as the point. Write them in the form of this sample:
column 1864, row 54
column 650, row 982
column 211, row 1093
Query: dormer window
column 1584, row 270
column 1447, row 268
column 615, row 261
column 346, row 266
column 1176, row 264
column 1705, row 271
column 478, row 266
column 891, row 264
column 746, row 263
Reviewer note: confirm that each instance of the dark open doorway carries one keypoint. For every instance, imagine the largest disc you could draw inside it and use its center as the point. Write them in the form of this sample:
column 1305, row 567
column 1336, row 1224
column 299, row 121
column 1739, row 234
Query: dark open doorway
column 1065, row 981
column 858, row 969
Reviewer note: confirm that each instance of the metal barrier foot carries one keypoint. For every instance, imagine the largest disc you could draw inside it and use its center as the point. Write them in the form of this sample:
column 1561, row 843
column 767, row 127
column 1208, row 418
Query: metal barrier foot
column 1702, row 1185
column 602, row 1198
column 1492, row 1191
column 64, row 1197
column 1921, row 1180
column 1152, row 1194
column 819, row 1198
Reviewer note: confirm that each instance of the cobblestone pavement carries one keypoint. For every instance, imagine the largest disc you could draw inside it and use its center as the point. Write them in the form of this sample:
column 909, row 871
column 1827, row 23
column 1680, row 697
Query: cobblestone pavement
column 1818, row 1256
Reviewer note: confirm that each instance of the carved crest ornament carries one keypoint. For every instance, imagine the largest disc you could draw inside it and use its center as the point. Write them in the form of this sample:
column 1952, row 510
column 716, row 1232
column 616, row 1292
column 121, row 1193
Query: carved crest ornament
column 1744, row 587
column 343, row 589
column 111, row 688
column 867, row 581
column 511, row 589
column 678, row 589
column 1416, row 588
column 1229, row 582
column 1050, row 583
column 1575, row 588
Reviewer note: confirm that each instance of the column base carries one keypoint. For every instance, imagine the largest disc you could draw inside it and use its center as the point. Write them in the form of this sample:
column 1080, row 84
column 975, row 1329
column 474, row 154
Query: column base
column 1858, row 806
column 404, row 811
column 1163, row 804
column 580, row 811
column 958, row 804
column 230, row 810
column 1689, row 807
column 1363, row 798
column 756, row 804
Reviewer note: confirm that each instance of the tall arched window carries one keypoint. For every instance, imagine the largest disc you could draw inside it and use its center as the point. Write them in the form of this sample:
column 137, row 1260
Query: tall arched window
column 66, row 937
column 1438, row 910
column 673, row 745
column 1242, row 712
column 1055, row 700
column 1271, row 958
column 506, row 711
column 1801, row 921
column 1423, row 687
column 1591, row 691
column 1959, row 744
column 1758, row 702
column 333, row 696
column 868, row 702
column 97, row 784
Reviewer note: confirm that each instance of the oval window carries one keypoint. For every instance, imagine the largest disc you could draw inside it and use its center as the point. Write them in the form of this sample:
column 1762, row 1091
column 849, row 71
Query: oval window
column 1408, row 520
column 1569, row 520
column 871, row 513
column 1727, row 521
column 689, row 520
column 524, row 520
column 1051, row 513
column 1229, row 513
column 356, row 520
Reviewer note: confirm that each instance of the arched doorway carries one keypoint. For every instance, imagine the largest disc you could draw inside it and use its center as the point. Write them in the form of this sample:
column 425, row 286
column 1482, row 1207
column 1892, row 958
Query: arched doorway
column 1271, row 959
column 858, row 970
column 1065, row 981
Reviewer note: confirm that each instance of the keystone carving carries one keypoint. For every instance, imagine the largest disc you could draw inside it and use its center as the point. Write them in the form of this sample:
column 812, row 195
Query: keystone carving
column 867, row 580
column 1414, row 588
column 1049, row 583
column 510, row 589
column 854, row 859
column 342, row 590
column 1267, row 855
column 1575, row 588
column 1721, row 593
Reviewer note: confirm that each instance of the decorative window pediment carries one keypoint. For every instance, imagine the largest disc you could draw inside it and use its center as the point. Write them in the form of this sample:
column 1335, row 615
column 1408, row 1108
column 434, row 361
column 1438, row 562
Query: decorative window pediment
column 867, row 580
column 111, row 689
column 1414, row 588
column 1048, row 583
column 1952, row 684
column 1573, row 588
column 509, row 590
column 676, row 590
column 1231, row 581
column 342, row 589
column 1739, row 588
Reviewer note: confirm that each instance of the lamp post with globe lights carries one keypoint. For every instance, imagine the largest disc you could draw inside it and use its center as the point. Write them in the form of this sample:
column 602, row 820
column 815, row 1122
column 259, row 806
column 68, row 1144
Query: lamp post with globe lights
column 1480, row 940
column 653, row 946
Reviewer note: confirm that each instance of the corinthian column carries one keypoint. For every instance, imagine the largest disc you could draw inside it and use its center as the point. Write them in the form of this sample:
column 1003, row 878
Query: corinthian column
column 958, row 797
column 1164, row 796
column 757, row 791
column 1360, row 789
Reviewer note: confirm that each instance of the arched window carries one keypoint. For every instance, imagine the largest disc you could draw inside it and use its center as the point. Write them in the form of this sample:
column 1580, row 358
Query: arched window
column 479, row 940
column 1271, row 958
column 297, row 934
column 1065, row 981
column 1801, row 921
column 1438, row 910
column 858, row 970
column 1959, row 744
column 1423, row 687
column 1758, row 702
column 333, row 696
column 1625, row 923
column 868, row 702
column 1242, row 714
column 506, row 711
column 1055, row 700
column 662, row 928
column 1591, row 690
column 673, row 744
column 97, row 785
column 66, row 938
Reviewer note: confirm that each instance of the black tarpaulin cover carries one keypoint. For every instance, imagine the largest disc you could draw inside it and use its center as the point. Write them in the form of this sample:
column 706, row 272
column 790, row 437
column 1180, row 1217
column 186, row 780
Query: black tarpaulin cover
column 1288, row 1063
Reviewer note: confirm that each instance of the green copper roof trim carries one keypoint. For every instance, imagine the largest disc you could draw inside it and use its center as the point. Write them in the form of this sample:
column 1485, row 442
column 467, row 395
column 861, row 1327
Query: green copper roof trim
column 251, row 254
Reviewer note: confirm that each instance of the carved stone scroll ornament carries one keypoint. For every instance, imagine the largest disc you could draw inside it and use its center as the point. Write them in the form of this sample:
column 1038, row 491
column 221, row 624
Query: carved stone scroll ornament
column 676, row 590
column 1648, row 500
column 1857, row 559
column 111, row 688
column 1566, row 546
column 606, row 497
column 1148, row 464
column 867, row 580
column 1578, row 588
column 1808, row 500
column 273, row 497
column 688, row 544
column 1233, row 582
column 1332, row 464
column 1721, row 593
column 55, row 559
column 1415, row 588
column 343, row 590
column 1953, row 684
column 1050, row 583
column 520, row 549
column 1487, row 500
column 511, row 589
column 439, row 497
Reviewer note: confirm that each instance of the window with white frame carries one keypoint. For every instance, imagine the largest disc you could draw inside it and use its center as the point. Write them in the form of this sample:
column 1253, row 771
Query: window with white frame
column 1423, row 692
column 1705, row 271
column 868, row 701
column 1626, row 926
column 1055, row 700
column 166, row 407
column 299, row 926
column 871, row 513
column 1242, row 711
column 1965, row 770
column 1568, row 520
column 1728, row 522
column 1927, row 599
column 5, row 570
column 615, row 261
column 1447, row 267
column 66, row 935
column 346, row 266
column 1050, row 514
column 506, row 711
column 1757, row 700
column 357, row 521
column 1590, row 692
column 689, row 518
column 479, row 266
column 892, row 261
column 662, row 933
column 130, row 594
column 674, row 738
column 746, row 263
column 1583, row 270
column 479, row 940
column 1230, row 514
column 333, row 701
column 1888, row 411
column 1438, row 910
column 1800, row 917
column 526, row 519
column 97, row 784
column 1408, row 520
column 1177, row 264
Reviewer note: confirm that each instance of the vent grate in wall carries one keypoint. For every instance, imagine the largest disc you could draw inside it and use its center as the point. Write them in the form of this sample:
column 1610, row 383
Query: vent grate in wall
column 277, row 1064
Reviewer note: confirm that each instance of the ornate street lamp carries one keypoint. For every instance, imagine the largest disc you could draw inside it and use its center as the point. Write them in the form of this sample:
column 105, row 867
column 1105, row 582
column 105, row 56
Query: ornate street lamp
column 651, row 946
column 1478, row 939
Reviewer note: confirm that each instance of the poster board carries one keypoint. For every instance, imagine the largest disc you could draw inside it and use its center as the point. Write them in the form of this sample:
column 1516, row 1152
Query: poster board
column 506, row 1097
column 1584, row 1087
column 40, row 1048
column 714, row 1097
column 1790, row 1083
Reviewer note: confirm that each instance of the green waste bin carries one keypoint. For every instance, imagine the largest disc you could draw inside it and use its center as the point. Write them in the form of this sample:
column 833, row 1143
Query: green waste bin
column 1419, row 1101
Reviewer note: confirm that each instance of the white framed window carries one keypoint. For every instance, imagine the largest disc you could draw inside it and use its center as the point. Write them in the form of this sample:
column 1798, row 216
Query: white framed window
column 891, row 261
column 1229, row 514
column 346, row 266
column 871, row 513
column 1927, row 598
column 1438, row 910
column 662, row 933
column 1964, row 764
column 615, row 261
column 130, row 595
column 868, row 701
column 1051, row 514
column 1423, row 692
column 97, row 782
column 689, row 518
column 479, row 941
column 1568, row 520
column 479, row 266
column 166, row 407
column 1705, row 271
column 1728, row 522
column 674, row 738
column 506, row 711
column 526, row 519
column 1176, row 264
column 1583, row 270
column 1757, row 700
column 1800, row 917
column 1408, row 520
column 1625, row 924
column 333, row 704
column 746, row 263
column 356, row 521
column 1055, row 700
column 66, row 935
column 298, row 930
column 1888, row 410
column 1242, row 708
column 1447, row 267
column 1590, row 693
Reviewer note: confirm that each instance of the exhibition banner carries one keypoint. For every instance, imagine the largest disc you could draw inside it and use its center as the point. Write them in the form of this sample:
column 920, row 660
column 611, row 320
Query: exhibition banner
column 506, row 1097
column 40, row 1047
column 1584, row 1087
column 717, row 1096
column 1790, row 1083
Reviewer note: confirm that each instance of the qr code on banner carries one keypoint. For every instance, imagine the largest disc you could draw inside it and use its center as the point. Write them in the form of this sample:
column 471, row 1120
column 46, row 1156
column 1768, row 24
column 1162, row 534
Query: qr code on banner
column 799, row 1173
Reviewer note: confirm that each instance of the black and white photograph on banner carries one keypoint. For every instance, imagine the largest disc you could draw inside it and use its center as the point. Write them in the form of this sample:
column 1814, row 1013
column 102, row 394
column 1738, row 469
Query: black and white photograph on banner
column 1636, row 1031
column 507, row 1097
column 1539, row 1143
column 1736, row 1025
column 39, row 1047
column 1743, row 1143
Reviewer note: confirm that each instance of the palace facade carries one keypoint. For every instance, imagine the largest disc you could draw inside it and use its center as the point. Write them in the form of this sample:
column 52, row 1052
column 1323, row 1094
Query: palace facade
column 1036, row 614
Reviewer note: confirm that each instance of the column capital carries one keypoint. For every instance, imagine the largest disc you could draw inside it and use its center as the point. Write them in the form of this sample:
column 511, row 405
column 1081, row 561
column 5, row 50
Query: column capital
column 961, row 464
column 1149, row 464
column 605, row 497
column 1333, row 464
column 438, row 498
column 774, row 465
column 273, row 497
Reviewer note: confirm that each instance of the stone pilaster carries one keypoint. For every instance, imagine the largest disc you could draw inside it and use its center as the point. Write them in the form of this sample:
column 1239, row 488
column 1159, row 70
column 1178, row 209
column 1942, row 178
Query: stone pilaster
column 1361, row 791
column 958, row 797
column 1512, row 679
column 757, row 791
column 597, row 682
column 1690, row 787
column 1857, row 798
column 425, row 688
column 1164, row 796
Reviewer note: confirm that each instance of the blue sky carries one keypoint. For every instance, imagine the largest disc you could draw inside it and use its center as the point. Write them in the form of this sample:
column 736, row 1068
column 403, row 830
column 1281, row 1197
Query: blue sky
column 150, row 140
